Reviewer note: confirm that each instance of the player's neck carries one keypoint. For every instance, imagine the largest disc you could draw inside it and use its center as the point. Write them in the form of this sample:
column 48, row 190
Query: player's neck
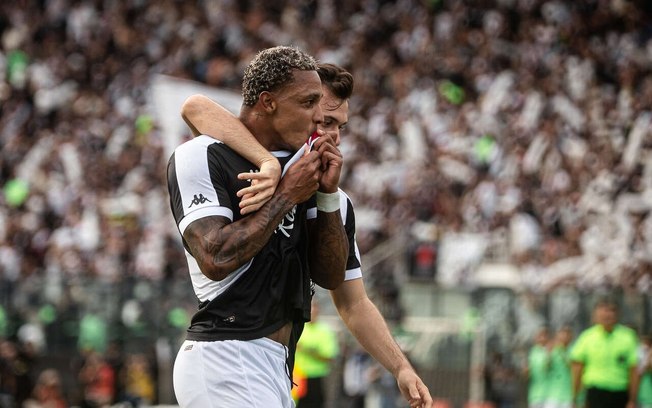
column 259, row 126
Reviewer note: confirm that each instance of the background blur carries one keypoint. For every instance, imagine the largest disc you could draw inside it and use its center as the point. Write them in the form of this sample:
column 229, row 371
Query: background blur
column 498, row 154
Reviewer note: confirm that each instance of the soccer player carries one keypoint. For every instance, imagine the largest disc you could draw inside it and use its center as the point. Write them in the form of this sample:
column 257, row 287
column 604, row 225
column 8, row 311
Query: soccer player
column 355, row 308
column 252, row 274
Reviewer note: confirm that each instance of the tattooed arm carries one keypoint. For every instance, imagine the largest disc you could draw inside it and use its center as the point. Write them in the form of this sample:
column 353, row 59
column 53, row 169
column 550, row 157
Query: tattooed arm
column 329, row 244
column 220, row 247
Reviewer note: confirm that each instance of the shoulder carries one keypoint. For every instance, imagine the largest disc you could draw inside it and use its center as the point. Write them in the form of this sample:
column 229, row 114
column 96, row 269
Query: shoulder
column 193, row 147
column 199, row 142
column 584, row 336
column 591, row 331
column 627, row 332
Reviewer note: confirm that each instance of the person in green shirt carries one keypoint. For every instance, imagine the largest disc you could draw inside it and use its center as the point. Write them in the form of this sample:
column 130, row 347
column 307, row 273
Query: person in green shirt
column 537, row 370
column 645, row 373
column 604, row 360
column 317, row 348
column 560, row 389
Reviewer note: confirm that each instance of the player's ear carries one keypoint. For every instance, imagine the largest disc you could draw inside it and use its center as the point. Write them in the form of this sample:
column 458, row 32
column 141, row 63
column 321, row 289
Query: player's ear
column 268, row 101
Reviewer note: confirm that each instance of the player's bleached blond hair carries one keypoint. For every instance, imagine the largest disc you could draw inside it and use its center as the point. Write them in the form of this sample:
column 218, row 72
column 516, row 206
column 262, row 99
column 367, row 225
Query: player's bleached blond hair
column 271, row 69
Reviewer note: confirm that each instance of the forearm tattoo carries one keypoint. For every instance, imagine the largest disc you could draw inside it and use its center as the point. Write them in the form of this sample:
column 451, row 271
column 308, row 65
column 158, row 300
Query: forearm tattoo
column 220, row 246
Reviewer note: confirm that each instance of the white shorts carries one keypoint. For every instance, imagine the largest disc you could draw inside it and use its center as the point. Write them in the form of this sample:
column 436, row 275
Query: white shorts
column 232, row 374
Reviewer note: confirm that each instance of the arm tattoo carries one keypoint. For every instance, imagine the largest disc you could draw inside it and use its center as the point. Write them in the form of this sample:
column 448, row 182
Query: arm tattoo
column 220, row 246
column 329, row 250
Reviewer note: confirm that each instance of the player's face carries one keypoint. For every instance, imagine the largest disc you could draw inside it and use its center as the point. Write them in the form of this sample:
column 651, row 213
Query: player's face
column 336, row 115
column 607, row 315
column 564, row 336
column 298, row 112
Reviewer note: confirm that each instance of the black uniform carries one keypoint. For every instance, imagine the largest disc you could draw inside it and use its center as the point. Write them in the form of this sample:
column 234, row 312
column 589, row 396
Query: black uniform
column 267, row 292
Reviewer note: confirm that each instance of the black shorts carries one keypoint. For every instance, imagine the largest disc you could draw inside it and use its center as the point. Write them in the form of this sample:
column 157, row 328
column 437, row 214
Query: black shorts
column 601, row 398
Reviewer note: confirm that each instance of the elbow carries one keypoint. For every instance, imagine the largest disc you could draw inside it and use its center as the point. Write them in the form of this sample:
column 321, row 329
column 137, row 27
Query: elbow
column 192, row 106
column 215, row 272
column 331, row 284
column 217, row 269
column 329, row 281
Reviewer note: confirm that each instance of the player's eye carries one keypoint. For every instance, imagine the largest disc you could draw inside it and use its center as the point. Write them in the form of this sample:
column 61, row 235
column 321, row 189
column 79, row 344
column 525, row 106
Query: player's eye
column 311, row 102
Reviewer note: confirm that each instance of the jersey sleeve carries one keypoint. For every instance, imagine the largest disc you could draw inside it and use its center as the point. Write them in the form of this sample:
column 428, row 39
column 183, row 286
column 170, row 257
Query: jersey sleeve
column 353, row 264
column 633, row 356
column 194, row 184
column 578, row 350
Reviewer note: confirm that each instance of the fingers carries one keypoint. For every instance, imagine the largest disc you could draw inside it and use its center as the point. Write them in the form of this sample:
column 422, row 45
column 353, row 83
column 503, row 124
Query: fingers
column 251, row 203
column 330, row 154
column 302, row 178
column 254, row 175
column 257, row 177
column 414, row 391
column 256, row 195
column 253, row 200
column 326, row 141
column 265, row 187
column 415, row 399
column 422, row 397
column 331, row 159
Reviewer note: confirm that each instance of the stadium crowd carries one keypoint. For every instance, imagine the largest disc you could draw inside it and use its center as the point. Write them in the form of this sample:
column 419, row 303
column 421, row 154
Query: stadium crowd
column 525, row 122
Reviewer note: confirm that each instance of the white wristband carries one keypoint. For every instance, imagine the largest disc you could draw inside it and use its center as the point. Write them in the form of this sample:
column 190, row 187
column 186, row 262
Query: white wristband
column 328, row 202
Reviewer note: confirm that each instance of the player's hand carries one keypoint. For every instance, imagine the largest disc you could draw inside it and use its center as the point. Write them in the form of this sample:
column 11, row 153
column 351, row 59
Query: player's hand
column 413, row 389
column 263, row 185
column 331, row 163
column 301, row 180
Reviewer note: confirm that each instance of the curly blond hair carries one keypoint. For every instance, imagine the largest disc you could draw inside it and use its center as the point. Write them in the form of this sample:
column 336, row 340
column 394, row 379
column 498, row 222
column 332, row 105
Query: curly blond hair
column 271, row 69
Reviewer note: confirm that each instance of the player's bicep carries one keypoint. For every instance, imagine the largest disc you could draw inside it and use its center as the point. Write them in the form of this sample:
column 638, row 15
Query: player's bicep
column 204, row 240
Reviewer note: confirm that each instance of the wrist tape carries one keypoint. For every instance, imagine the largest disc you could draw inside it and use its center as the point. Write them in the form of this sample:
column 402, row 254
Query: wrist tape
column 328, row 202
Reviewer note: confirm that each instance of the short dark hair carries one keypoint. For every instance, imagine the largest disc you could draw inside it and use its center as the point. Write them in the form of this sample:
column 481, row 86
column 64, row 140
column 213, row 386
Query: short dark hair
column 272, row 68
column 606, row 301
column 336, row 79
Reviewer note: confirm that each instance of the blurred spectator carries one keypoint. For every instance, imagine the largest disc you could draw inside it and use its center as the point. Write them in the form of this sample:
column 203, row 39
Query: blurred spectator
column 356, row 376
column 645, row 372
column 15, row 374
column 97, row 380
column 316, row 351
column 139, row 382
column 92, row 333
column 48, row 391
column 537, row 370
column 383, row 391
column 501, row 381
column 423, row 260
column 560, row 384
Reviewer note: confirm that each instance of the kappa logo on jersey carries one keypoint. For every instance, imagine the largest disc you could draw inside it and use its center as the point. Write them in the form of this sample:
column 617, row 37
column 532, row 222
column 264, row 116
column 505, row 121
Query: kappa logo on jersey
column 287, row 224
column 199, row 199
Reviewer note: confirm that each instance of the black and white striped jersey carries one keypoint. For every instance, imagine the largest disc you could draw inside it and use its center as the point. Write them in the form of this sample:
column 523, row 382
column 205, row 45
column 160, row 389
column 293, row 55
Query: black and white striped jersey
column 273, row 287
column 202, row 182
column 353, row 266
